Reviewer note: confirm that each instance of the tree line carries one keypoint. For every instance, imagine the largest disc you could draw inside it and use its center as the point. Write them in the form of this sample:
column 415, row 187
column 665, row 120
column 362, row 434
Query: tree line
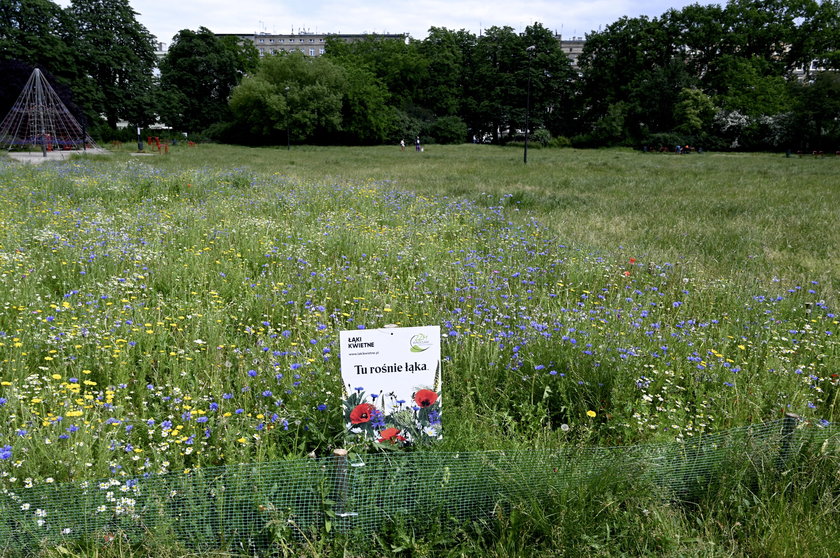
column 750, row 74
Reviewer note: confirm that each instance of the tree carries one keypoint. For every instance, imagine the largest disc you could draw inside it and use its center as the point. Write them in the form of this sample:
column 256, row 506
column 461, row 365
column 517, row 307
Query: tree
column 197, row 76
column 116, row 59
column 633, row 69
column 445, row 53
column 817, row 114
column 693, row 112
column 398, row 64
column 294, row 94
column 499, row 60
column 366, row 116
column 32, row 31
column 551, row 77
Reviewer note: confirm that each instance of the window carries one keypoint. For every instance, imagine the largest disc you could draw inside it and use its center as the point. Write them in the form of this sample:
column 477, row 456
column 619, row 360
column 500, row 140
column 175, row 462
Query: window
column 320, row 51
column 311, row 52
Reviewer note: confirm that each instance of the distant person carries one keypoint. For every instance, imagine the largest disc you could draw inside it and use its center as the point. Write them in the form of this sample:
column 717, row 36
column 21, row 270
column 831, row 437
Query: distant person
column 417, row 144
column 402, row 145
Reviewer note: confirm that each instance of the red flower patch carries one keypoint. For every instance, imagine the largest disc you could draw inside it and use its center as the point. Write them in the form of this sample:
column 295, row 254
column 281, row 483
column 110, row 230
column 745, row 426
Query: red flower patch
column 391, row 435
column 361, row 413
column 425, row 398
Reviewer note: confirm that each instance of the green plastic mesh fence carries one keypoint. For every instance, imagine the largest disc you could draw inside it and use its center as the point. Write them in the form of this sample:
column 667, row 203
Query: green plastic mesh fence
column 250, row 505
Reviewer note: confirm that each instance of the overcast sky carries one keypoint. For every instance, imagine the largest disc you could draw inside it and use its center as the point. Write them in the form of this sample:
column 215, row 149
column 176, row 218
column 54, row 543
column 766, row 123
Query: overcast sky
column 164, row 18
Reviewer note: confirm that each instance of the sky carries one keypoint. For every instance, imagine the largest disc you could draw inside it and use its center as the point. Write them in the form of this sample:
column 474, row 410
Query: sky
column 570, row 18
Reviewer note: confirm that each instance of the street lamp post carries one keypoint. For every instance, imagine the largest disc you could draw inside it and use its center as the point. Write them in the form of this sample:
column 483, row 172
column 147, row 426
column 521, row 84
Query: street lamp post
column 288, row 139
column 528, row 50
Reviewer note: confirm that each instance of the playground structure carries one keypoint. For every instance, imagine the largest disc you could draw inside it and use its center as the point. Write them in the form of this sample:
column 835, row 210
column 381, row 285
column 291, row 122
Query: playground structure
column 39, row 122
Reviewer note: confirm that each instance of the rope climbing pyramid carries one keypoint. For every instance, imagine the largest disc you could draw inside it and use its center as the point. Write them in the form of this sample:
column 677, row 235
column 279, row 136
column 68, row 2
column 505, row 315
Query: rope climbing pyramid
column 39, row 123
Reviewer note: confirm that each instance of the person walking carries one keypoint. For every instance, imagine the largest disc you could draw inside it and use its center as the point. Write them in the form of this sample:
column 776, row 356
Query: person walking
column 417, row 144
column 402, row 145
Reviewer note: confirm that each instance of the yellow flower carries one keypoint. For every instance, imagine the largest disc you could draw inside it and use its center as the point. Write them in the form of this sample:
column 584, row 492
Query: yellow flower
column 591, row 414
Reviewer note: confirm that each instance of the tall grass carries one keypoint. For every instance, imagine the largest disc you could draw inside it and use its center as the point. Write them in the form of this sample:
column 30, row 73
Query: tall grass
column 167, row 313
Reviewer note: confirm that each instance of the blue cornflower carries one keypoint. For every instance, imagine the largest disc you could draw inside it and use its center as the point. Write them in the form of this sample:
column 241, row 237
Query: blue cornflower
column 252, row 373
column 322, row 407
column 6, row 452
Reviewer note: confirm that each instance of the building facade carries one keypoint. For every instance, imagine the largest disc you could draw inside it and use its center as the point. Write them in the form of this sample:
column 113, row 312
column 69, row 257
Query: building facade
column 310, row 44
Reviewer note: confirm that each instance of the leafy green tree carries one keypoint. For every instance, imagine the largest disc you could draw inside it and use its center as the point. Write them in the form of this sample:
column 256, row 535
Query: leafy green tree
column 694, row 112
column 397, row 63
column 632, row 68
column 446, row 54
column 366, row 116
column 696, row 33
column 448, row 129
column 197, row 76
column 33, row 31
column 499, row 82
column 291, row 95
column 750, row 86
column 818, row 38
column 766, row 29
column 116, row 57
column 817, row 113
column 551, row 77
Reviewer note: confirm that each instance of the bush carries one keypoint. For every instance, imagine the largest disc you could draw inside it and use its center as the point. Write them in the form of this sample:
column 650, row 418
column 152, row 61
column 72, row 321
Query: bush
column 448, row 129
column 542, row 137
column 560, row 141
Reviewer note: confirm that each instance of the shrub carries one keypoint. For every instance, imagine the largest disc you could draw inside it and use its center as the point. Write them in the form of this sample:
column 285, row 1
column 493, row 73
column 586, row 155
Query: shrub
column 448, row 129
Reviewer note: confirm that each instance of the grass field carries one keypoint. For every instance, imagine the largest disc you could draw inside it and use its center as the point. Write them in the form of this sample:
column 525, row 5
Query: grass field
column 167, row 313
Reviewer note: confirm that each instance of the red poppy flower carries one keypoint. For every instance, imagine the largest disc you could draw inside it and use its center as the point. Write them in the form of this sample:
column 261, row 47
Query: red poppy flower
column 632, row 260
column 627, row 274
column 391, row 435
column 425, row 397
column 361, row 413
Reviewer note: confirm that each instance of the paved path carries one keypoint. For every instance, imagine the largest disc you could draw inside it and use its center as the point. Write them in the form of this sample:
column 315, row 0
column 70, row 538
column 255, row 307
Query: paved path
column 36, row 157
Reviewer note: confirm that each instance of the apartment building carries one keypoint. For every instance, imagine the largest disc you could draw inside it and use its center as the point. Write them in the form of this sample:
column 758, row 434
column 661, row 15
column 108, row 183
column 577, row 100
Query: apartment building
column 310, row 44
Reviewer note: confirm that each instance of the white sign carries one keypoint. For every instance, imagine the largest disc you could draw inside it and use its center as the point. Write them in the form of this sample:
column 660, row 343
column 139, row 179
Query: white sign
column 392, row 383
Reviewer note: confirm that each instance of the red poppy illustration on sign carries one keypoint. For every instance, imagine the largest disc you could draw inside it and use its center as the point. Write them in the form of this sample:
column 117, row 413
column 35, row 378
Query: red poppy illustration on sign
column 392, row 384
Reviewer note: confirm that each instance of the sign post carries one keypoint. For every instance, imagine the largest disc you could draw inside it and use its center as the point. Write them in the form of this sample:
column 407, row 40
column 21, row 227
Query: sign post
column 392, row 388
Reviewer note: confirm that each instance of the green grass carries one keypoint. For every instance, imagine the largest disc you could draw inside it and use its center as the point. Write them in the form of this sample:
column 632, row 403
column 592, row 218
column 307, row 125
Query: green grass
column 174, row 312
column 751, row 216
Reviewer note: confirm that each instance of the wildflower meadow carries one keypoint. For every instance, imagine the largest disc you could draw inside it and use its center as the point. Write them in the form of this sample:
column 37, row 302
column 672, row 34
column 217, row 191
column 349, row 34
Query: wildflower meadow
column 161, row 315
